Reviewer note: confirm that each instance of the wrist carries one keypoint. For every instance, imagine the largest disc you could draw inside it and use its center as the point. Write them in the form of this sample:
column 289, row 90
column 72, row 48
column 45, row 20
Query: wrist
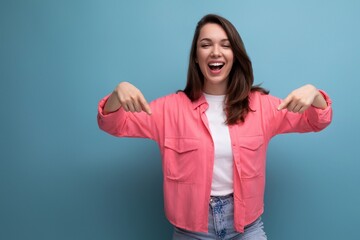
column 319, row 100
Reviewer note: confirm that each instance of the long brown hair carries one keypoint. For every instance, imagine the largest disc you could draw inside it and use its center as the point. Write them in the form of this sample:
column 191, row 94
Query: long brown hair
column 241, row 79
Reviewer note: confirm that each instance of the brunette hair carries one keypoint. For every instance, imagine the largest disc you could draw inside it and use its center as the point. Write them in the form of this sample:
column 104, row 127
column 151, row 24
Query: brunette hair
column 241, row 79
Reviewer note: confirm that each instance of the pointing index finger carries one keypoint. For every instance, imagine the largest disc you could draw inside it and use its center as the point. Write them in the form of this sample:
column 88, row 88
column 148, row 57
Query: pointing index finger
column 284, row 103
column 144, row 105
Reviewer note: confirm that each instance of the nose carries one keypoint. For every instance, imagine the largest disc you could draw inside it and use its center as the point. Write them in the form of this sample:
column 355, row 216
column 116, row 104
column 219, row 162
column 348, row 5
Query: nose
column 216, row 51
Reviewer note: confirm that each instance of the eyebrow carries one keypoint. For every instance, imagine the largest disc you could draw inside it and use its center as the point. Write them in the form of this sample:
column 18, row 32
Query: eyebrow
column 209, row 40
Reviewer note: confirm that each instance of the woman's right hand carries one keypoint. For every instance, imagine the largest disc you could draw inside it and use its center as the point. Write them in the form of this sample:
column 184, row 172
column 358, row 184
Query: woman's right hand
column 128, row 97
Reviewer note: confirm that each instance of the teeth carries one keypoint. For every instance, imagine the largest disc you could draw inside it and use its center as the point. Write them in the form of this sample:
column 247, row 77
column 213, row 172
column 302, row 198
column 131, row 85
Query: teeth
column 215, row 64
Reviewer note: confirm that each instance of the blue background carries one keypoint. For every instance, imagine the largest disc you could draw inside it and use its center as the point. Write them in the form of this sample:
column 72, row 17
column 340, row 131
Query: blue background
column 63, row 178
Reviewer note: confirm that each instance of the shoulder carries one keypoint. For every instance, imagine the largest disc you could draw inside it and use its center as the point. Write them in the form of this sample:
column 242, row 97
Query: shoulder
column 262, row 100
column 174, row 99
column 256, row 96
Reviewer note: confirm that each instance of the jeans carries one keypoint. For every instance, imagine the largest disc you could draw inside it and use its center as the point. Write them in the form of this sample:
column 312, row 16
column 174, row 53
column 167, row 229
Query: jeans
column 221, row 224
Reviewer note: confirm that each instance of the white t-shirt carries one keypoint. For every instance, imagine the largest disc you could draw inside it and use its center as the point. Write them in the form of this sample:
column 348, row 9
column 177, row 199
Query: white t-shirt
column 222, row 181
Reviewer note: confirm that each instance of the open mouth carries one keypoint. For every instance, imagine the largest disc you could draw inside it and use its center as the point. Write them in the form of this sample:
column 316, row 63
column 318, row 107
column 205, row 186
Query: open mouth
column 216, row 66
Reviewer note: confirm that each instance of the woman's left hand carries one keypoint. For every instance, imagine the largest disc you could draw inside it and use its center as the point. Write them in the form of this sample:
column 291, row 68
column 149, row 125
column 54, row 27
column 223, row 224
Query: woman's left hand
column 302, row 98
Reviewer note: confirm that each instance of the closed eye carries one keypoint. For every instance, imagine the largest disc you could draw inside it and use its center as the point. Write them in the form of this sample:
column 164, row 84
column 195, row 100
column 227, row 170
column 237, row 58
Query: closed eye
column 205, row 45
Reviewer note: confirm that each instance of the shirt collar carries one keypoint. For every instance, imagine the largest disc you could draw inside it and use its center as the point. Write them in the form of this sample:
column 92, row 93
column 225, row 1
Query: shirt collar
column 199, row 102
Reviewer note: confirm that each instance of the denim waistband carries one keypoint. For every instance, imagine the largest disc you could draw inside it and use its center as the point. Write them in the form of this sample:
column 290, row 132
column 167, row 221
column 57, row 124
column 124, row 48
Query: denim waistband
column 221, row 198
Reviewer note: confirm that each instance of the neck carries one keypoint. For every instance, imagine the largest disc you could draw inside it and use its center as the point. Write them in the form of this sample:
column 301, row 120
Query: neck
column 215, row 89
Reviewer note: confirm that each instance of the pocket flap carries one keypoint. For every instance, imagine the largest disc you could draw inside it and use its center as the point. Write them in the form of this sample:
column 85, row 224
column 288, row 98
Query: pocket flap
column 251, row 142
column 182, row 145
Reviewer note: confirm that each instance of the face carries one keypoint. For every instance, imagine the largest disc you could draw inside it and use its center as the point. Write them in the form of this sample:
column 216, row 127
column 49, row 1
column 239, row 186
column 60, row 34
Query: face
column 215, row 58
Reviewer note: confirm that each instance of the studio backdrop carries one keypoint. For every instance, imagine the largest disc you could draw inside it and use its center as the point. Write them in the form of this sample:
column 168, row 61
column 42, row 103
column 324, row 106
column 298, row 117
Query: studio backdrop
column 61, row 178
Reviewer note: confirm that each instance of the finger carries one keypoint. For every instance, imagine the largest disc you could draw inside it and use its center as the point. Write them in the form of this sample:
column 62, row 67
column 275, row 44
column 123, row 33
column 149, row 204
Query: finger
column 144, row 105
column 131, row 107
column 297, row 108
column 302, row 109
column 282, row 106
column 284, row 103
column 292, row 106
column 124, row 105
column 137, row 107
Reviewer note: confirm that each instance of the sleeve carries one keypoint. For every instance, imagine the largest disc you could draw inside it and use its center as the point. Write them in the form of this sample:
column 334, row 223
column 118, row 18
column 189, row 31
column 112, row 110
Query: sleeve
column 128, row 124
column 283, row 121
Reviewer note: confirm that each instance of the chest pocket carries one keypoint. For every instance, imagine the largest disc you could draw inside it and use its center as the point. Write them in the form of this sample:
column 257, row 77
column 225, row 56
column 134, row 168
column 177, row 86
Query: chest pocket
column 180, row 156
column 252, row 156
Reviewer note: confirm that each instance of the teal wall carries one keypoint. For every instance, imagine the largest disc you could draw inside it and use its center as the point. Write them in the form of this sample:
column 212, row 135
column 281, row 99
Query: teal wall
column 63, row 178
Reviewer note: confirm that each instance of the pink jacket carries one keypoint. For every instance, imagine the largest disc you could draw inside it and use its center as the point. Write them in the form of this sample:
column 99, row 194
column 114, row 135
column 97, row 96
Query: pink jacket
column 181, row 129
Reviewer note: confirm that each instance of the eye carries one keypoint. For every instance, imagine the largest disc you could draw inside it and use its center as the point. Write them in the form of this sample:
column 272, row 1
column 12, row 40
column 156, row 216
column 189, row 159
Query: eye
column 226, row 44
column 205, row 45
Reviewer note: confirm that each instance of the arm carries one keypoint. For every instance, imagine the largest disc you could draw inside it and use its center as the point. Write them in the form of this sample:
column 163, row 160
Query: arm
column 305, row 109
column 302, row 98
column 125, row 113
column 127, row 96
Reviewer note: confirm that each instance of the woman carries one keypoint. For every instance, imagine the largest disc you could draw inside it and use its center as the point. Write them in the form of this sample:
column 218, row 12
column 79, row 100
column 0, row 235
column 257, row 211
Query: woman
column 213, row 135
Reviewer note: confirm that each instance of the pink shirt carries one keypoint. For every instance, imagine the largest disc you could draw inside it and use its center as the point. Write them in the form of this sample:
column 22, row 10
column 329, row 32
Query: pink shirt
column 181, row 129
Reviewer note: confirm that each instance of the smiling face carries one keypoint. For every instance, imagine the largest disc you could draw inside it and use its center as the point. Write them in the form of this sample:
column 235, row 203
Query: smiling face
column 215, row 58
